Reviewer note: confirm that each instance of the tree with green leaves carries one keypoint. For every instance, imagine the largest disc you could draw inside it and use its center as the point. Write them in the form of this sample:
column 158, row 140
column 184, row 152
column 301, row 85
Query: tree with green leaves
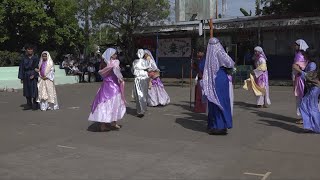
column 127, row 16
column 258, row 7
column 49, row 24
column 104, row 35
column 279, row 7
column 68, row 36
column 85, row 12
column 21, row 20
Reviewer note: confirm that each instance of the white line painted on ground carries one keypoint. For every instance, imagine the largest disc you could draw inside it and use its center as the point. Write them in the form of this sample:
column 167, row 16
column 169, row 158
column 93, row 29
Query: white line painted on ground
column 264, row 176
column 67, row 147
column 175, row 115
column 253, row 174
column 74, row 107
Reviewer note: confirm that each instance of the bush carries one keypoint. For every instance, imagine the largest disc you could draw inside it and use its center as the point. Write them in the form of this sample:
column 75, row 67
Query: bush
column 8, row 58
column 54, row 55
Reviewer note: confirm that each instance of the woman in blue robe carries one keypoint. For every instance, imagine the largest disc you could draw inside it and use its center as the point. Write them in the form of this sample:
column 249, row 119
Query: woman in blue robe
column 309, row 107
column 216, row 86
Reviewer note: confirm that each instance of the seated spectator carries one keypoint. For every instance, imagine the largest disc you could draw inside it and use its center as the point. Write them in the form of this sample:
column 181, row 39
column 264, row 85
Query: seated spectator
column 76, row 71
column 91, row 71
column 65, row 66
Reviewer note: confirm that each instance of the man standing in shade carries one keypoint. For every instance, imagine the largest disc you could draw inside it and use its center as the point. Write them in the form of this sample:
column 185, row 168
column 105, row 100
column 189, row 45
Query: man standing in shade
column 28, row 74
column 200, row 105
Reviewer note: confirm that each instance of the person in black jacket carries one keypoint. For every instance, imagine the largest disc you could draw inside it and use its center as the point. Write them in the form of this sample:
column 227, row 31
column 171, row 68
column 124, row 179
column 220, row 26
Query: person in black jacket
column 28, row 74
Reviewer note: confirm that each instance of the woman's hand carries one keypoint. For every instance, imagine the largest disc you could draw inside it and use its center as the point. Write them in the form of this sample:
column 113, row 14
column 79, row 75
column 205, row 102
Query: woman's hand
column 297, row 68
column 37, row 70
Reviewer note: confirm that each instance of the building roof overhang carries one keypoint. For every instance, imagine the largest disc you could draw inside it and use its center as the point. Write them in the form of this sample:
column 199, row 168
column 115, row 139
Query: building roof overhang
column 232, row 24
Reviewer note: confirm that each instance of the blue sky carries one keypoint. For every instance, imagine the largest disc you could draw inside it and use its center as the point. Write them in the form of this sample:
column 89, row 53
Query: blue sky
column 233, row 7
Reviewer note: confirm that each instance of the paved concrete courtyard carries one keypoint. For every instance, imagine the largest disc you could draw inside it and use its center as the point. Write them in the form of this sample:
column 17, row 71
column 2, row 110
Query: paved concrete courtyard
column 168, row 143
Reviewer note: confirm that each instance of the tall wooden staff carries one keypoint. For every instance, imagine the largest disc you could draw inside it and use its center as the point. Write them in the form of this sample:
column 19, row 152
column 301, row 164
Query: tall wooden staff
column 211, row 27
column 191, row 67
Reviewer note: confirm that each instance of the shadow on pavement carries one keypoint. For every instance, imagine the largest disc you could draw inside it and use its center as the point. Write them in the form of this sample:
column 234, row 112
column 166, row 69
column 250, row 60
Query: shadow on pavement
column 94, row 127
column 276, row 120
column 244, row 105
column 193, row 121
column 185, row 105
column 190, row 123
column 264, row 114
column 282, row 125
column 131, row 111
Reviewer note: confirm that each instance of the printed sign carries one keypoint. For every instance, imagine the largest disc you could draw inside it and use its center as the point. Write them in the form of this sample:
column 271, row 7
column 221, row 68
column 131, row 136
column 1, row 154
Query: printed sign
column 175, row 47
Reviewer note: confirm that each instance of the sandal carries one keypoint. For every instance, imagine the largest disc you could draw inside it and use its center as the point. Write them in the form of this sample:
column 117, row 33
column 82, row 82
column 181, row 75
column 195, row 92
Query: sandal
column 299, row 121
column 116, row 127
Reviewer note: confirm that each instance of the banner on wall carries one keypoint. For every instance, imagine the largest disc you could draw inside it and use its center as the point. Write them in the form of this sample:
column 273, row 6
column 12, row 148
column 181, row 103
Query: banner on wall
column 175, row 47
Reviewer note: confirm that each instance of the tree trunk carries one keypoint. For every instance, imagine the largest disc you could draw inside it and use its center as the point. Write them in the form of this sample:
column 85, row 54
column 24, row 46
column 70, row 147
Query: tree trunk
column 128, row 46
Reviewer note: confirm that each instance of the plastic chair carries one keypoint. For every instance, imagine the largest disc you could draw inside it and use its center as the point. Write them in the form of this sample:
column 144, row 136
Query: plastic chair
column 242, row 73
column 162, row 70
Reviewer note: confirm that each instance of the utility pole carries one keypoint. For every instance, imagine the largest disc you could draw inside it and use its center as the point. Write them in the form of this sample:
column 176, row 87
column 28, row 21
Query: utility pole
column 86, row 27
column 216, row 9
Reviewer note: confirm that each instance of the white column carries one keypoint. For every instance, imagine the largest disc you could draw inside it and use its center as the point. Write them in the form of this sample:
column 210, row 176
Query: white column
column 180, row 10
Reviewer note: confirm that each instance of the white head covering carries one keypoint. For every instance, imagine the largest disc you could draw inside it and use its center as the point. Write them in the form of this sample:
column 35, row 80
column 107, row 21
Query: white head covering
column 146, row 51
column 49, row 62
column 107, row 54
column 140, row 53
column 261, row 52
column 153, row 62
column 302, row 44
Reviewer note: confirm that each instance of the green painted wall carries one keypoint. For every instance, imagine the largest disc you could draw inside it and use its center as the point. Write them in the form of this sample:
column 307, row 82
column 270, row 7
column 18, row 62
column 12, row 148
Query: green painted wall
column 9, row 77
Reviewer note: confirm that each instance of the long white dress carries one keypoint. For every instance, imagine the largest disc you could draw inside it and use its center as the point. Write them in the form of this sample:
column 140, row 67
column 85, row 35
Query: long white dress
column 157, row 95
column 47, row 95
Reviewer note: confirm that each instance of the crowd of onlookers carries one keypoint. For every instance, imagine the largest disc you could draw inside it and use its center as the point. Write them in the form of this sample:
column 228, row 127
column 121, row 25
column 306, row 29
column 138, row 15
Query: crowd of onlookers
column 87, row 69
column 83, row 68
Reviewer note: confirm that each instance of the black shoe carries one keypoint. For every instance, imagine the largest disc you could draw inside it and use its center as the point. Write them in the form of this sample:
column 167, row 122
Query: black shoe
column 218, row 132
column 140, row 115
column 35, row 107
column 27, row 107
